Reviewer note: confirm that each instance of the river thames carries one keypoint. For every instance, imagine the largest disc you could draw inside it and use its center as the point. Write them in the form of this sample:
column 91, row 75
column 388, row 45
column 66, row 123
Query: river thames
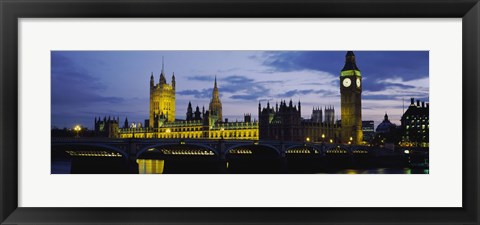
column 65, row 167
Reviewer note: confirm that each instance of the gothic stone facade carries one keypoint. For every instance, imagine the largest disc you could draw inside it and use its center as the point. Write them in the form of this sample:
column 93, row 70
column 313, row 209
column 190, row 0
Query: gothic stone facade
column 198, row 125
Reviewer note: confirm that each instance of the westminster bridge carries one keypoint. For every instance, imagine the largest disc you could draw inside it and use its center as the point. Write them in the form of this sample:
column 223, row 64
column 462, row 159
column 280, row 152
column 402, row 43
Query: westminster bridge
column 127, row 154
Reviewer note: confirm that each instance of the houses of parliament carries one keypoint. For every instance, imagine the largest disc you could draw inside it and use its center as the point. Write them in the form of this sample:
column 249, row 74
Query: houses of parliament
column 281, row 121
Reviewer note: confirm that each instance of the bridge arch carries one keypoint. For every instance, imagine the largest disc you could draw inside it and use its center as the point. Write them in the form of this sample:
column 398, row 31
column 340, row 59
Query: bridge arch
column 56, row 146
column 360, row 149
column 337, row 149
column 333, row 147
column 311, row 149
column 145, row 149
column 252, row 148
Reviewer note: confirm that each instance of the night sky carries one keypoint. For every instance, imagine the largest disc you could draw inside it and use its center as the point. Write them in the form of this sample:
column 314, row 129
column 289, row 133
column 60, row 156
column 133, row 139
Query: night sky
column 89, row 84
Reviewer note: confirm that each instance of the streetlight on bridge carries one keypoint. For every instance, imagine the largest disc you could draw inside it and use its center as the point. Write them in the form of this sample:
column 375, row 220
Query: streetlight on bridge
column 77, row 129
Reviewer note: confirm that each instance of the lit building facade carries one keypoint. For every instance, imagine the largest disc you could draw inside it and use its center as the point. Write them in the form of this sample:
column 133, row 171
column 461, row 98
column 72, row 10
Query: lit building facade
column 196, row 129
column 215, row 106
column 198, row 125
column 415, row 124
column 162, row 100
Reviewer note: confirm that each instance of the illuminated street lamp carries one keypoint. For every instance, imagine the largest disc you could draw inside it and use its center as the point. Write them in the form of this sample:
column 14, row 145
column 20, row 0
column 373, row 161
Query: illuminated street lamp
column 308, row 139
column 323, row 138
column 331, row 141
column 77, row 129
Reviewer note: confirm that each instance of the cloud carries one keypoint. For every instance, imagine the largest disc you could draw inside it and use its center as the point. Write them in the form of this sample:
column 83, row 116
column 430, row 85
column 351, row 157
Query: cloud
column 292, row 93
column 234, row 79
column 67, row 116
column 297, row 92
column 201, row 94
column 387, row 75
column 245, row 97
column 74, row 85
column 201, row 78
column 270, row 82
column 228, row 70
column 231, row 87
column 377, row 97
column 397, row 88
column 288, row 61
column 238, row 87
column 373, row 64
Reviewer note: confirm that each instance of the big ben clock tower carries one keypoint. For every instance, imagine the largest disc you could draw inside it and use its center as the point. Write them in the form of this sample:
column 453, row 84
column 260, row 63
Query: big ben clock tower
column 351, row 101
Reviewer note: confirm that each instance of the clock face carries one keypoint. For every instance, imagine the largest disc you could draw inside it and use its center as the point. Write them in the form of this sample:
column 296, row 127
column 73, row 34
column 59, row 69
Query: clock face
column 358, row 82
column 347, row 82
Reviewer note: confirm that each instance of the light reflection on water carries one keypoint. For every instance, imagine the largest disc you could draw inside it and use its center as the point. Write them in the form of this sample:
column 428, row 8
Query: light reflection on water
column 382, row 171
column 63, row 167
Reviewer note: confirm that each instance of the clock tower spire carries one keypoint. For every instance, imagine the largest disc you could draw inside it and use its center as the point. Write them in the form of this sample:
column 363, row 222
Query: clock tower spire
column 351, row 101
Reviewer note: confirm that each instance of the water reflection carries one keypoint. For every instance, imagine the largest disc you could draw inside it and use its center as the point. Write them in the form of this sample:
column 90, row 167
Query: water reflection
column 382, row 171
column 150, row 166
column 260, row 167
column 160, row 166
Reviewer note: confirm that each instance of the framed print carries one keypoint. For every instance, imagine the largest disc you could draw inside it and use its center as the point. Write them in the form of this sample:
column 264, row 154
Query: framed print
column 239, row 112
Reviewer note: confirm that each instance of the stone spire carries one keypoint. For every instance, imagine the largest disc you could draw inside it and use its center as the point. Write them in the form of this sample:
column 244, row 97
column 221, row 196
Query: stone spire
column 163, row 80
column 215, row 106
column 215, row 94
column 152, row 82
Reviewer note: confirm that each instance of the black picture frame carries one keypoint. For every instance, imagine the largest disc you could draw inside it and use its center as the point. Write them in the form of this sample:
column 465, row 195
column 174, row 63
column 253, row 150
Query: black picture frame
column 11, row 11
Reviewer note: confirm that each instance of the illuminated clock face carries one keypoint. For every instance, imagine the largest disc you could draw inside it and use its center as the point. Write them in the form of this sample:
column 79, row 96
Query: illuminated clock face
column 347, row 82
column 358, row 82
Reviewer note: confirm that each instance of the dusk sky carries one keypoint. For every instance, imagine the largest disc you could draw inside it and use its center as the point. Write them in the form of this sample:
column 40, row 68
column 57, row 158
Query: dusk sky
column 89, row 84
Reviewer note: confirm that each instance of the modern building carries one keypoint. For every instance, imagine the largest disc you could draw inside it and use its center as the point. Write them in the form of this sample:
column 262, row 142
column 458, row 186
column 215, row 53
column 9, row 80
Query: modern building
column 368, row 129
column 415, row 124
